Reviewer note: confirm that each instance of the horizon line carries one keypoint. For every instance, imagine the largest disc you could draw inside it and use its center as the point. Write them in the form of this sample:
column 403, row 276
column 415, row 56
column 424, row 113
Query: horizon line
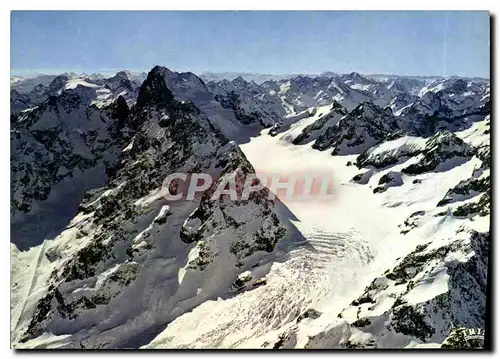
column 41, row 72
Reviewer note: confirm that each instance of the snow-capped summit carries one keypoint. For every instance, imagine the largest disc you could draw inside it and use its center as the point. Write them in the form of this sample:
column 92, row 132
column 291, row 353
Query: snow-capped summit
column 239, row 81
column 355, row 79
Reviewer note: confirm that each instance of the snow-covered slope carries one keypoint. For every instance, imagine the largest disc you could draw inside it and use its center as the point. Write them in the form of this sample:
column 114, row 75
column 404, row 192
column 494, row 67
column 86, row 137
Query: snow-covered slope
column 395, row 256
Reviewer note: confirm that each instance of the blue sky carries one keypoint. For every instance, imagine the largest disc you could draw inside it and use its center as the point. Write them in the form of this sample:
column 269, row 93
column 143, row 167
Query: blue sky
column 396, row 42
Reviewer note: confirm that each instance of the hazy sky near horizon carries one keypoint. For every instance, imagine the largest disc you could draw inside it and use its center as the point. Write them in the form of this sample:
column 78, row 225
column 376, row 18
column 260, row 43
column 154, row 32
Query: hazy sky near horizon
column 383, row 42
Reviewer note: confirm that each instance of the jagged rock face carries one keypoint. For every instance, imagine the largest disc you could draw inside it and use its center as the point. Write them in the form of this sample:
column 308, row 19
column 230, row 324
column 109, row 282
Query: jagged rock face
column 270, row 100
column 361, row 129
column 231, row 101
column 23, row 100
column 121, row 80
column 464, row 98
column 405, row 85
column 390, row 179
column 438, row 152
column 349, row 90
column 54, row 142
column 121, row 112
column 401, row 101
column 26, row 85
column 431, row 102
column 423, row 116
column 154, row 90
column 208, row 223
column 446, row 109
column 99, row 90
column 303, row 92
column 187, row 87
column 57, row 85
column 466, row 189
column 319, row 127
column 390, row 152
column 125, row 226
column 460, row 302
column 249, row 102
column 184, row 86
column 18, row 101
column 363, row 177
column 475, row 191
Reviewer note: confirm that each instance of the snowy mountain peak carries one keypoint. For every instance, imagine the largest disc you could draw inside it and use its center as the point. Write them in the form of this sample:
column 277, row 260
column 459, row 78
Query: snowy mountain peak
column 355, row 78
column 58, row 84
column 370, row 110
column 160, row 70
column 121, row 75
column 154, row 90
column 239, row 81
